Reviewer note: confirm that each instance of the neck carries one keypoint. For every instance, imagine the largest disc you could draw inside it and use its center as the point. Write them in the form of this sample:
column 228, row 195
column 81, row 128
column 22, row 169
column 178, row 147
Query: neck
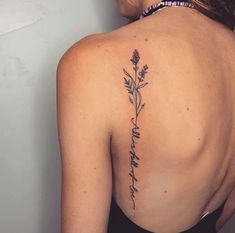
column 156, row 7
column 173, row 18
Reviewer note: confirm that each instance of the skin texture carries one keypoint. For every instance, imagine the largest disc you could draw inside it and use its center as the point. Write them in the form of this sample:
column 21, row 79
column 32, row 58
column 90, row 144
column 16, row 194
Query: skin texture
column 187, row 126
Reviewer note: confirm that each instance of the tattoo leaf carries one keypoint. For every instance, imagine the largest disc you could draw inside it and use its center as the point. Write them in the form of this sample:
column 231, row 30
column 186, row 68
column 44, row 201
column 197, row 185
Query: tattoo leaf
column 142, row 85
column 131, row 100
column 128, row 86
column 141, row 107
column 127, row 74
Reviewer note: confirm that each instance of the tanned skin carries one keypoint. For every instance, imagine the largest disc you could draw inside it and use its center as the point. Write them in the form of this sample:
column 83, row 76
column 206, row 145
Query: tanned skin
column 164, row 149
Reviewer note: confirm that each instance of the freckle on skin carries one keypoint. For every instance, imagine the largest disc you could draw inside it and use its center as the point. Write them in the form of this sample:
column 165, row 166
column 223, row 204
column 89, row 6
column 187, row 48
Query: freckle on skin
column 165, row 191
column 187, row 108
column 84, row 192
column 134, row 36
column 98, row 46
column 94, row 168
column 146, row 39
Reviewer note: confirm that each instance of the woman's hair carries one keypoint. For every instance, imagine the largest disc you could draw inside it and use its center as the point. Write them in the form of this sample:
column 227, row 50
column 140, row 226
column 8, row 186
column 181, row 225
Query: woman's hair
column 220, row 10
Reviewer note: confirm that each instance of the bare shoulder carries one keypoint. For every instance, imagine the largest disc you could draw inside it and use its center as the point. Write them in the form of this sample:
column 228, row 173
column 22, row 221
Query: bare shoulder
column 83, row 75
column 87, row 66
column 92, row 49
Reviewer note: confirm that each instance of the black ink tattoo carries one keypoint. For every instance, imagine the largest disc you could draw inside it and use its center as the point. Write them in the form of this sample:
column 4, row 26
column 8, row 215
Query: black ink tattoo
column 133, row 86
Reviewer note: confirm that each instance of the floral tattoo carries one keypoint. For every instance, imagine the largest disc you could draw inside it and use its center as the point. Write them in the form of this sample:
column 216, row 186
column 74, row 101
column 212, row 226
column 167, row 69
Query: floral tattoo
column 133, row 85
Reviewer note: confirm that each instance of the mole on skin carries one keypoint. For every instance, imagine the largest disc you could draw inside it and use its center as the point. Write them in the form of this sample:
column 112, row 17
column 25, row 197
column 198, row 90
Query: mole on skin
column 187, row 108
column 146, row 39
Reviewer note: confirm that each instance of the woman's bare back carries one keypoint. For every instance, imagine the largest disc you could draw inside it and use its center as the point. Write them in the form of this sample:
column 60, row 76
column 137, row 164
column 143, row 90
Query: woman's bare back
column 186, row 135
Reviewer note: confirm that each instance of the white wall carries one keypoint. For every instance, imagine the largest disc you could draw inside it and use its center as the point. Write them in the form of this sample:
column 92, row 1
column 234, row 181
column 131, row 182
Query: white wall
column 33, row 36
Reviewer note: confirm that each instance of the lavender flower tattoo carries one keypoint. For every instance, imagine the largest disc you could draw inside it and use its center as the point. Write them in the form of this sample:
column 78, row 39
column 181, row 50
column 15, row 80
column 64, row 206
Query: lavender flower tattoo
column 133, row 85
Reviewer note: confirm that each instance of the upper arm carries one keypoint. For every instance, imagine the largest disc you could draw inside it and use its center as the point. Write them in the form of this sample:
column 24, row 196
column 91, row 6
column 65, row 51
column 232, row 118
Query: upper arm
column 84, row 135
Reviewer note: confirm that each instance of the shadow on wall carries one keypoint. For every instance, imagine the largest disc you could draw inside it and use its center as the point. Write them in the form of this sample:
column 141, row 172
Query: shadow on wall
column 50, row 184
column 109, row 19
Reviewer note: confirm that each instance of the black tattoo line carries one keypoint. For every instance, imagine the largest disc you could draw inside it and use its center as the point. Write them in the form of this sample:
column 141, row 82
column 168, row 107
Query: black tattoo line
column 133, row 86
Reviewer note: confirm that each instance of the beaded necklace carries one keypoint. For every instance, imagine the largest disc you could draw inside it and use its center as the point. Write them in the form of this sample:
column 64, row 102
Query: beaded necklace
column 164, row 3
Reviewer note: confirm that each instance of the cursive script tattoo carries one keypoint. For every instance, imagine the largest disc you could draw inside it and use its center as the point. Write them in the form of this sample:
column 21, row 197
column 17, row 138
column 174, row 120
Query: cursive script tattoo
column 133, row 85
